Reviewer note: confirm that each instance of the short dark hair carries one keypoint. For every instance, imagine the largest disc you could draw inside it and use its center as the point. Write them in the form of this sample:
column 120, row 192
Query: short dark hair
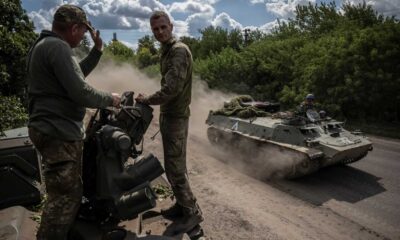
column 61, row 26
column 158, row 14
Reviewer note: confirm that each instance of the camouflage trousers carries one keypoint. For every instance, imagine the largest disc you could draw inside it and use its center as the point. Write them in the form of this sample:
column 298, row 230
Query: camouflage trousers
column 174, row 133
column 62, row 173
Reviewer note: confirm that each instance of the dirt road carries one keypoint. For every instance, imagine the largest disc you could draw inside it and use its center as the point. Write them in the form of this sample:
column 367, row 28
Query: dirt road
column 326, row 205
column 237, row 206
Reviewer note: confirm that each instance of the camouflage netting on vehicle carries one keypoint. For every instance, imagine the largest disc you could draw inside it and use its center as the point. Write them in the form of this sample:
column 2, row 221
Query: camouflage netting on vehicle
column 236, row 108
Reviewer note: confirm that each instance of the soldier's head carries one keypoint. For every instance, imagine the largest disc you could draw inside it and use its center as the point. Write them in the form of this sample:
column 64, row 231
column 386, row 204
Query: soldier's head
column 71, row 23
column 161, row 26
column 310, row 99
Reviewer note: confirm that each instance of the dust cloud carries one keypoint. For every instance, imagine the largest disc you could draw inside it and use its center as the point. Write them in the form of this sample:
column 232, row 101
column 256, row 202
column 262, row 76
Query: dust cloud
column 245, row 156
column 119, row 78
column 260, row 160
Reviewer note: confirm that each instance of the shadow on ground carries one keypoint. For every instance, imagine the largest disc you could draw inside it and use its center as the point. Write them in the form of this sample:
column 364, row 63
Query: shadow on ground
column 342, row 183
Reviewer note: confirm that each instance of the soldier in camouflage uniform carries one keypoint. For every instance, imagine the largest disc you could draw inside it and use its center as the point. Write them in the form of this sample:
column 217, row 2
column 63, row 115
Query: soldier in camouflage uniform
column 306, row 105
column 58, row 95
column 174, row 98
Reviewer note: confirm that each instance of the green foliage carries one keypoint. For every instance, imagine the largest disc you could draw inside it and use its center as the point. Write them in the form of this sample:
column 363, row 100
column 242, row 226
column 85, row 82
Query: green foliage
column 363, row 15
column 118, row 52
column 12, row 113
column 38, row 209
column 147, row 42
column 349, row 59
column 16, row 36
column 317, row 19
column 221, row 70
column 256, row 36
column 193, row 44
column 147, row 54
column 163, row 191
column 152, row 71
column 145, row 58
column 214, row 40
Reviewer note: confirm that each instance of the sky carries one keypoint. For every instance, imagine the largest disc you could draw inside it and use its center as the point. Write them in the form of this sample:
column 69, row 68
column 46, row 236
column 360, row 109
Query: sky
column 129, row 19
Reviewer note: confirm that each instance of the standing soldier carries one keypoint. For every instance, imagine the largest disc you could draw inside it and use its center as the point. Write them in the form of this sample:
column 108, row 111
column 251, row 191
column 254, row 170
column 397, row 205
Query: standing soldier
column 174, row 98
column 58, row 95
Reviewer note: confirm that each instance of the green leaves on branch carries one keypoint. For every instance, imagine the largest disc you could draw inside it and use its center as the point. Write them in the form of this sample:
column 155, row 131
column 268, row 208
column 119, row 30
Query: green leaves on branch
column 12, row 113
column 119, row 51
column 16, row 36
column 349, row 59
column 147, row 53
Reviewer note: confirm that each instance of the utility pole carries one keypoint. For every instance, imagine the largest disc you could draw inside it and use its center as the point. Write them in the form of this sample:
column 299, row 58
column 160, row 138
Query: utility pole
column 246, row 36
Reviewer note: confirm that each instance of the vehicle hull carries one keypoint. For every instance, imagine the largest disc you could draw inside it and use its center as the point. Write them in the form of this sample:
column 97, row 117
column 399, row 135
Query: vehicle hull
column 263, row 143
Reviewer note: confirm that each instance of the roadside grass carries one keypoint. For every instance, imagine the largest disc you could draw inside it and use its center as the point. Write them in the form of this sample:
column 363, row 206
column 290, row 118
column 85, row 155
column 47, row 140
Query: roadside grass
column 37, row 209
column 162, row 191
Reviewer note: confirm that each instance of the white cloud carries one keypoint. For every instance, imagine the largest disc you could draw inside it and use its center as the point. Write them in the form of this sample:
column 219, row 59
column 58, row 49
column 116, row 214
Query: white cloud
column 191, row 7
column 207, row 1
column 256, row 1
column 268, row 27
column 129, row 9
column 153, row 4
column 385, row 7
column 203, row 15
column 130, row 45
column 197, row 22
column 40, row 19
column 285, row 8
column 225, row 21
column 134, row 14
column 181, row 28
column 104, row 14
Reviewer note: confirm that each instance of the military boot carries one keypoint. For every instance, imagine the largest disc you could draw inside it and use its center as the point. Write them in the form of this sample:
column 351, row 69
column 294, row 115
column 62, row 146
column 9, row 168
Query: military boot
column 191, row 218
column 175, row 211
column 197, row 233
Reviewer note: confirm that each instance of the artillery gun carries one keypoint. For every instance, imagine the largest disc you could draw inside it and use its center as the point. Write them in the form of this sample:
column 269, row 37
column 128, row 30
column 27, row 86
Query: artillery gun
column 299, row 145
column 116, row 176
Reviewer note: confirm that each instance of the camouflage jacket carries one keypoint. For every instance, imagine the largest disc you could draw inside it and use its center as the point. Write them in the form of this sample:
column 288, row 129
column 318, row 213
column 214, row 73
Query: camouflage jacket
column 176, row 83
column 303, row 107
column 58, row 93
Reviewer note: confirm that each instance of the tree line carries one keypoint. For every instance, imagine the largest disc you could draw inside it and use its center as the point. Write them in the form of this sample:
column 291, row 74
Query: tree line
column 349, row 59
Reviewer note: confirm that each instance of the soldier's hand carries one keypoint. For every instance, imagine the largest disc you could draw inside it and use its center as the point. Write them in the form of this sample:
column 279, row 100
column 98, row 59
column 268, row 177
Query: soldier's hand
column 140, row 98
column 116, row 100
column 98, row 42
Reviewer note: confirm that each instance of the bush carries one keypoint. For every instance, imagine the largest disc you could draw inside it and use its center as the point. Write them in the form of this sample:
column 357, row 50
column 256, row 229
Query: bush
column 12, row 113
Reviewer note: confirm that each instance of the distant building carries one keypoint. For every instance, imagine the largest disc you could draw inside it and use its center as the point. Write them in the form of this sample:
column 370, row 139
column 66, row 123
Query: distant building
column 115, row 37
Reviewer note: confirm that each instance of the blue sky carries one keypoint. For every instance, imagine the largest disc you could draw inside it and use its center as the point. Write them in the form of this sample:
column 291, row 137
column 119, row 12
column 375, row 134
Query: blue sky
column 129, row 18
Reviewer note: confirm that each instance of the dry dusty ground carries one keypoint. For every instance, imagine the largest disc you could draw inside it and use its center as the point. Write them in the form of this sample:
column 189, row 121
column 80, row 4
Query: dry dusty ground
column 235, row 205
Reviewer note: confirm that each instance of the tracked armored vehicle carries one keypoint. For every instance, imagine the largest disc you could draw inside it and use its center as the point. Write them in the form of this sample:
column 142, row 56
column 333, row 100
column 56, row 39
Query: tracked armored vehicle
column 299, row 145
